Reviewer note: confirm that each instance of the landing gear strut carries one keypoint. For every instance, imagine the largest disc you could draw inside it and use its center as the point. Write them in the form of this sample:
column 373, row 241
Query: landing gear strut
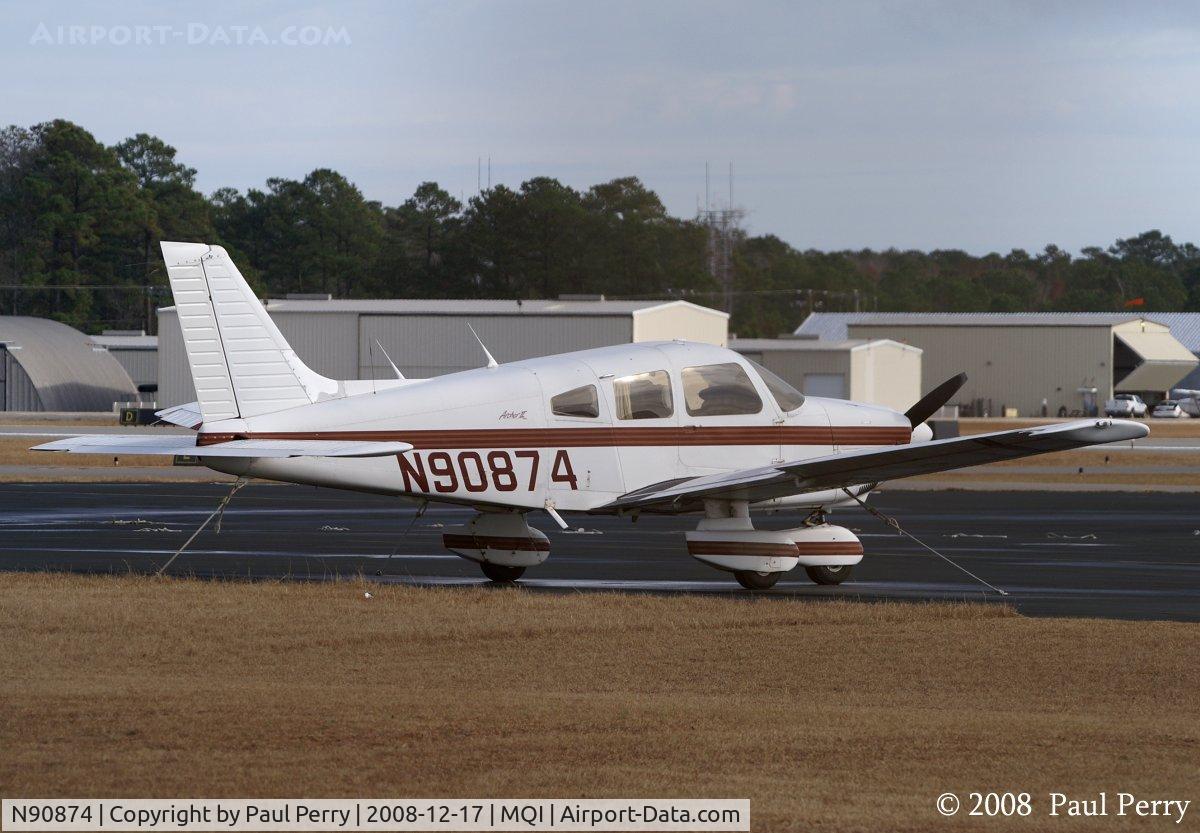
column 752, row 580
column 501, row 573
column 816, row 517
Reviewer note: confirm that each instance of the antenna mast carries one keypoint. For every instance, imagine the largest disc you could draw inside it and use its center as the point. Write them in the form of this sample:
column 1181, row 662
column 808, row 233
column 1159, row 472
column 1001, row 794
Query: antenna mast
column 724, row 230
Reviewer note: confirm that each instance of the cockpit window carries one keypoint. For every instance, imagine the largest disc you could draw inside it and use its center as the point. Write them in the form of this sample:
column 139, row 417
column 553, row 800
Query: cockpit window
column 786, row 396
column 579, row 402
column 719, row 390
column 644, row 396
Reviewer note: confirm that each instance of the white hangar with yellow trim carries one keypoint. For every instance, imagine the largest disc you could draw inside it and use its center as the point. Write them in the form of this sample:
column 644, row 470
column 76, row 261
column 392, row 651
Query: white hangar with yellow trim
column 1072, row 360
column 877, row 371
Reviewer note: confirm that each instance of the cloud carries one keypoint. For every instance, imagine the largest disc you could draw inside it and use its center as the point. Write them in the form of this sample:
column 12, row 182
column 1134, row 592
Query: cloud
column 980, row 126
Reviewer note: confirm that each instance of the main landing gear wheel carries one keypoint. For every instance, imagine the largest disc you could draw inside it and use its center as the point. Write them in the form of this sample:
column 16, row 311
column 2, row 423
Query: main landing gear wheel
column 829, row 575
column 752, row 580
column 501, row 574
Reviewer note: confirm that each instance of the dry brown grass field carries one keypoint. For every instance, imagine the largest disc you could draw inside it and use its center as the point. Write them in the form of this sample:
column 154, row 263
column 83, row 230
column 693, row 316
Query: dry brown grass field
column 45, row 420
column 1100, row 458
column 1131, row 481
column 1101, row 465
column 828, row 716
column 1175, row 428
column 14, row 451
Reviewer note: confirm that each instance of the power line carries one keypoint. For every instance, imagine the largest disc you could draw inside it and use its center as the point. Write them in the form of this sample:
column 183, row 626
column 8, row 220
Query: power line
column 126, row 287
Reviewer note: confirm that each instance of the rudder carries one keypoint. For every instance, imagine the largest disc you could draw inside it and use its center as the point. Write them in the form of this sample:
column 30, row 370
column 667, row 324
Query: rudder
column 241, row 364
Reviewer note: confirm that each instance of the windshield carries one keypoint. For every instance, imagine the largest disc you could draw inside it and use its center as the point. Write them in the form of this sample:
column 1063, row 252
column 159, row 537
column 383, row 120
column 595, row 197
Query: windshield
column 786, row 396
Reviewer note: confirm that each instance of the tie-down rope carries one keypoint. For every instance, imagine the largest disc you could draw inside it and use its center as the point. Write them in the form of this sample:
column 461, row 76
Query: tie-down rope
column 895, row 524
column 218, row 513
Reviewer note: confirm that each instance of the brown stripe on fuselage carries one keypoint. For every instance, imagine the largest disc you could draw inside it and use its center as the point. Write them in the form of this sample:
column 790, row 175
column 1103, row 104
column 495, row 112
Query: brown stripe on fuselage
column 596, row 437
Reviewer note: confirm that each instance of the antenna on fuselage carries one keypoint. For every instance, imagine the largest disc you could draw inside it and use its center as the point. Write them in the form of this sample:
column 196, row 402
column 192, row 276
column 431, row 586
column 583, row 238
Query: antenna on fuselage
column 491, row 361
column 395, row 369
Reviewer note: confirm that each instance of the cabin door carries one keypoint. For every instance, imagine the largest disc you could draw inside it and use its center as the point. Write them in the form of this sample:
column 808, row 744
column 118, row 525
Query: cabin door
column 579, row 464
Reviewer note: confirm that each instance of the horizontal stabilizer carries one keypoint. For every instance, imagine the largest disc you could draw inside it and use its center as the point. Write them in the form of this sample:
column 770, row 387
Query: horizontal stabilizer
column 185, row 416
column 119, row 444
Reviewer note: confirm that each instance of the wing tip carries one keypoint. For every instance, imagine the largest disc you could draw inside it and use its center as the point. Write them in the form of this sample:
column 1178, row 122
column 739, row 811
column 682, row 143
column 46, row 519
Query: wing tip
column 1130, row 429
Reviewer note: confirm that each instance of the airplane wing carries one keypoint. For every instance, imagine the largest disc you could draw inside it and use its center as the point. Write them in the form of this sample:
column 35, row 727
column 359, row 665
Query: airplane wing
column 875, row 465
column 117, row 444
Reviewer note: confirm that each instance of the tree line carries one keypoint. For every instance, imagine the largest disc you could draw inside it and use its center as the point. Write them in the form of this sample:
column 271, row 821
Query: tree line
column 80, row 223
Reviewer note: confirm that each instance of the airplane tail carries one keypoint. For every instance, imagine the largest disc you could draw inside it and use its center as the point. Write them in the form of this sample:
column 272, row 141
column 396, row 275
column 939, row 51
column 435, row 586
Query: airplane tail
column 241, row 364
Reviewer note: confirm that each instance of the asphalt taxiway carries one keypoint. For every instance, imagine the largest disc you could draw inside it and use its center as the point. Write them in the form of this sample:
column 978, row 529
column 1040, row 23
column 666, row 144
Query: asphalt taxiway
column 1121, row 555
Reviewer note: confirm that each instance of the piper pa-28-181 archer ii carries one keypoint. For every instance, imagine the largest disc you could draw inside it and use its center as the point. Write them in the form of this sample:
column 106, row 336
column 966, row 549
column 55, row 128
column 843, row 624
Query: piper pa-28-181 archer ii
column 660, row 427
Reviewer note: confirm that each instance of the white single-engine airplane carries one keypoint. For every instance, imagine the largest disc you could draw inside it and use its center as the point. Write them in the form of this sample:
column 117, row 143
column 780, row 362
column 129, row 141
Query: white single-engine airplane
column 662, row 427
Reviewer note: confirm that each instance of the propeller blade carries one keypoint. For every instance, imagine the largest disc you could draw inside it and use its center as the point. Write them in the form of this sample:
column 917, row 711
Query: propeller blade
column 935, row 399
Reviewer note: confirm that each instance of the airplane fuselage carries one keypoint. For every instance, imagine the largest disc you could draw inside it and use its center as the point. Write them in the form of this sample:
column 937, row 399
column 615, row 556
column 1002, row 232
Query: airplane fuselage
column 531, row 431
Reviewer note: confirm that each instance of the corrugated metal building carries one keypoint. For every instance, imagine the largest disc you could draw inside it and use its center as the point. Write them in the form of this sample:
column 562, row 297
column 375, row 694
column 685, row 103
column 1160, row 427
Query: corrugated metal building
column 48, row 366
column 880, row 371
column 337, row 338
column 136, row 352
column 1073, row 361
column 1185, row 328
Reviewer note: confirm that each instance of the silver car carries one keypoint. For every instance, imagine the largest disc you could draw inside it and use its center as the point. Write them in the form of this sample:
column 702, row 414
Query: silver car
column 1168, row 409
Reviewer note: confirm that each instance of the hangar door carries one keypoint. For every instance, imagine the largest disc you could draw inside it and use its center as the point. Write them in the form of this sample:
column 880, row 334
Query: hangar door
column 17, row 392
column 829, row 385
column 1146, row 357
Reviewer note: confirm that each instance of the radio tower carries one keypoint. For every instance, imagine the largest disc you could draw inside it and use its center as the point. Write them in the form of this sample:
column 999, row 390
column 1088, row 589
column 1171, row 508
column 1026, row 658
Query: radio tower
column 724, row 228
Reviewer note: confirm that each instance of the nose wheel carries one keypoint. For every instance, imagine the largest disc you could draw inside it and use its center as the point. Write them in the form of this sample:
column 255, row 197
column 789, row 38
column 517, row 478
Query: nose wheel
column 500, row 573
column 752, row 580
column 829, row 575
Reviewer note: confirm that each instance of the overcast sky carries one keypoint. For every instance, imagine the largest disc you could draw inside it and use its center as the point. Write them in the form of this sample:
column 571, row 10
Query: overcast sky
column 984, row 126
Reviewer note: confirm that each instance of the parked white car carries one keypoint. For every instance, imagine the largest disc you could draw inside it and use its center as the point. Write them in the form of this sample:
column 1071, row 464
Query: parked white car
column 1125, row 405
column 1168, row 409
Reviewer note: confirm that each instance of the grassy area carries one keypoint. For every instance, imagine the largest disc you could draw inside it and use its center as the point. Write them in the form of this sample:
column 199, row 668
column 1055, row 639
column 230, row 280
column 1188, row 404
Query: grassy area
column 14, row 451
column 1175, row 428
column 49, row 467
column 1101, row 465
column 828, row 716
column 44, row 420
column 1132, row 480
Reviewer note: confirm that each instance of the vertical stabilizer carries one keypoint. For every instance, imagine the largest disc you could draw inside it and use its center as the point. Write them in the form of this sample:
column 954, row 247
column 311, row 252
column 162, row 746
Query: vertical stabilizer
column 241, row 364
